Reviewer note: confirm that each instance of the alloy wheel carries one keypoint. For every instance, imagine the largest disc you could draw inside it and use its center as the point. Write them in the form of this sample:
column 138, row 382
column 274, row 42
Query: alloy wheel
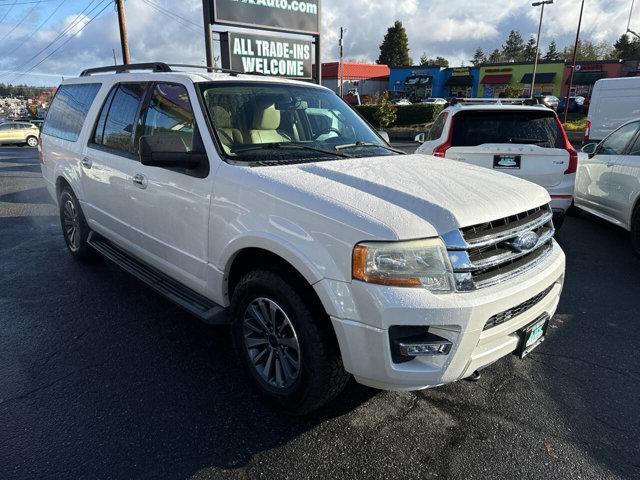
column 271, row 342
column 71, row 223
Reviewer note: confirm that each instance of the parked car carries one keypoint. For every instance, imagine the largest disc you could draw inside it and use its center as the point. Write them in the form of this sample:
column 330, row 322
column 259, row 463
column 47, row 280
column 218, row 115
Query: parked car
column 576, row 104
column 614, row 102
column 436, row 101
column 548, row 101
column 23, row 133
column 608, row 180
column 402, row 101
column 38, row 123
column 522, row 140
column 271, row 205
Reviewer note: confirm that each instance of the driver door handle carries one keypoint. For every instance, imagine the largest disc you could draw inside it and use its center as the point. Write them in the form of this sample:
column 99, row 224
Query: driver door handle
column 139, row 180
column 86, row 162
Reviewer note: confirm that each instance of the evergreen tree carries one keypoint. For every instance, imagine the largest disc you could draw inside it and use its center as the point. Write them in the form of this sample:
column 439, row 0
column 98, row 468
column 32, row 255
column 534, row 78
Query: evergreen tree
column 433, row 62
column 624, row 49
column 513, row 49
column 552, row 52
column 394, row 50
column 495, row 57
column 529, row 53
column 479, row 57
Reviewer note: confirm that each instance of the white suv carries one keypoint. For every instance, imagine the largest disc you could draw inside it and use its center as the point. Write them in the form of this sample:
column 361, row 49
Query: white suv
column 269, row 204
column 527, row 141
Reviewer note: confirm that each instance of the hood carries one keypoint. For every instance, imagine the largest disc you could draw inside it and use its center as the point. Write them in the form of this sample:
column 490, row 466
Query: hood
column 408, row 192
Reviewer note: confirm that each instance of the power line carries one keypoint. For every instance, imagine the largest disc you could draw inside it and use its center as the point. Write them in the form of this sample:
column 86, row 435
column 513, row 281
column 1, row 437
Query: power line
column 108, row 3
column 28, row 3
column 21, row 21
column 39, row 26
column 182, row 21
column 8, row 11
column 61, row 34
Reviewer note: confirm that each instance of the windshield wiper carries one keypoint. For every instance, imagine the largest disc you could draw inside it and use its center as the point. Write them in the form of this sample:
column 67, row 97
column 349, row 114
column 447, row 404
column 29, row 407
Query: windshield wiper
column 368, row 144
column 286, row 145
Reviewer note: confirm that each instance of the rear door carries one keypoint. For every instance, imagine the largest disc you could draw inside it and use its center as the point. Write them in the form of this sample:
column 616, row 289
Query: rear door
column 525, row 143
column 110, row 162
column 6, row 130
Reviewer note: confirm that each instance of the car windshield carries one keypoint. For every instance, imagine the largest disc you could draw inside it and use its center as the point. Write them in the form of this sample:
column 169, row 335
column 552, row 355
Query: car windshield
column 265, row 122
column 533, row 127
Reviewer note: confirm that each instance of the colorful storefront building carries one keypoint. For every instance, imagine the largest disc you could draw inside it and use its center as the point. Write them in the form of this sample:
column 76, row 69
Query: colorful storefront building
column 588, row 73
column 496, row 79
column 417, row 83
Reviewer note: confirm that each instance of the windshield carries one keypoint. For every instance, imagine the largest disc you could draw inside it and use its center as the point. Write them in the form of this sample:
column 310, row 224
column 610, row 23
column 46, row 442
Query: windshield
column 259, row 122
column 517, row 126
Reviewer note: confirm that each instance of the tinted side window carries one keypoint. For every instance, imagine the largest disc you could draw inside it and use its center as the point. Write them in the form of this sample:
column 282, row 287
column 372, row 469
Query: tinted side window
column 99, row 130
column 170, row 113
column 525, row 127
column 438, row 126
column 120, row 125
column 618, row 140
column 5, row 126
column 69, row 110
column 635, row 148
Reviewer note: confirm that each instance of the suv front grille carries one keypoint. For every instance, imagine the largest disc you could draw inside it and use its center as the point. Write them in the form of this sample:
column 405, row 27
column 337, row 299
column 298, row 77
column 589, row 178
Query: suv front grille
column 500, row 318
column 489, row 253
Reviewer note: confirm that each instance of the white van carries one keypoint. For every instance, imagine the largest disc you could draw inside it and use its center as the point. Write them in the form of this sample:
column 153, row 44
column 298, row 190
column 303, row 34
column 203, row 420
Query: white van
column 614, row 102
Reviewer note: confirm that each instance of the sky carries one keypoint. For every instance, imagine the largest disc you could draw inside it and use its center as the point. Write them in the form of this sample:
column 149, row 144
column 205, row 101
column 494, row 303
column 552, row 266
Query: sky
column 42, row 41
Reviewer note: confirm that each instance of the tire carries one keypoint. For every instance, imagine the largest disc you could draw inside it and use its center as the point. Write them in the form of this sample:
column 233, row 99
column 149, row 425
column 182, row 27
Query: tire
column 32, row 141
column 635, row 231
column 302, row 333
column 74, row 226
column 558, row 221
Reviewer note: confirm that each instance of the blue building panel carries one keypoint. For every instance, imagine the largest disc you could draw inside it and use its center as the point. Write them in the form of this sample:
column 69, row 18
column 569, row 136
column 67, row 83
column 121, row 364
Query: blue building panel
column 418, row 82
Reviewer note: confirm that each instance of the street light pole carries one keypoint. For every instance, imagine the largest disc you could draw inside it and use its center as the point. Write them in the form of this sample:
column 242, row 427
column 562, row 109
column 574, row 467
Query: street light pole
column 535, row 60
column 573, row 66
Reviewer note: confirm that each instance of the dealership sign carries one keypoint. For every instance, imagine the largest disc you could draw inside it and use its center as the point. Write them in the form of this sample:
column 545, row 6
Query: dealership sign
column 282, row 57
column 296, row 16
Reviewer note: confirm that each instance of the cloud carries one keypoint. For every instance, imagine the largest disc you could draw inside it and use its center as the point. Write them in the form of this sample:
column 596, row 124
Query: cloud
column 450, row 28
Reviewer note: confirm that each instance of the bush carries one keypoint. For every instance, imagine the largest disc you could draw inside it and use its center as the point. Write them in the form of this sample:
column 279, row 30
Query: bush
column 406, row 115
column 385, row 114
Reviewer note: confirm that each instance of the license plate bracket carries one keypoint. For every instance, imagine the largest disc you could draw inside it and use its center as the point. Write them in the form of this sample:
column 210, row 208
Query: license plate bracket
column 533, row 335
column 507, row 162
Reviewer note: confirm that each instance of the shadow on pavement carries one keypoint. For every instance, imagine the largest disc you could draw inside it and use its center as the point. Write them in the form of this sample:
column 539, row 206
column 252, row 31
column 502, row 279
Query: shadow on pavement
column 116, row 380
column 38, row 195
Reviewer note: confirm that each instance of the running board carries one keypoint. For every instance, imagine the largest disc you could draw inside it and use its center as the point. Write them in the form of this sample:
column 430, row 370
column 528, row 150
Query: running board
column 194, row 303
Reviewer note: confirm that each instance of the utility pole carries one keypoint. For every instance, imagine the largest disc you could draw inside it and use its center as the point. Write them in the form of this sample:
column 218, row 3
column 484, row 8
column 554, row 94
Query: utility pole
column 341, row 45
column 124, row 41
column 115, row 61
column 573, row 66
column 535, row 60
column 208, row 40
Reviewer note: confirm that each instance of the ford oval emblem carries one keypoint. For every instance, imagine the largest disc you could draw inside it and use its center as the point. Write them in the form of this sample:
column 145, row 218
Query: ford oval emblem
column 524, row 242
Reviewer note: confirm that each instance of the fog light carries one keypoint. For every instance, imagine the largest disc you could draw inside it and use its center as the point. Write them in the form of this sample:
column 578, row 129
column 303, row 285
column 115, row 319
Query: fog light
column 415, row 349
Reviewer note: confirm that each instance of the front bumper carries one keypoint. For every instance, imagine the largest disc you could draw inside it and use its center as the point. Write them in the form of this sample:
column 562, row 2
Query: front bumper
column 362, row 314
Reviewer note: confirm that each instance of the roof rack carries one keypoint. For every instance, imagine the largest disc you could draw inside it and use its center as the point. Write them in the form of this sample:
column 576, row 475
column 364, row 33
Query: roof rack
column 493, row 101
column 158, row 67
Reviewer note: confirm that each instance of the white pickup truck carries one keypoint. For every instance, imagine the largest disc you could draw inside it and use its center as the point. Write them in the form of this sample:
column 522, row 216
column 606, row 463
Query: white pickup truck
column 269, row 204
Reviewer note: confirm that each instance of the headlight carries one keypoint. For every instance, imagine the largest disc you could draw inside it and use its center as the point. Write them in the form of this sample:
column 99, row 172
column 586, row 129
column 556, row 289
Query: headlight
column 415, row 263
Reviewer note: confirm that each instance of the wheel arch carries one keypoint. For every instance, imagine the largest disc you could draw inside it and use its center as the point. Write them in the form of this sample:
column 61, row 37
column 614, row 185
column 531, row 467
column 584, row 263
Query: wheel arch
column 253, row 258
column 61, row 183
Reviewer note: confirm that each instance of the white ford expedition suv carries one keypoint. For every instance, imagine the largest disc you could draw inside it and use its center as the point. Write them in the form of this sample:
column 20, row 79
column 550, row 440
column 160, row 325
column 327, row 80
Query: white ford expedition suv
column 269, row 204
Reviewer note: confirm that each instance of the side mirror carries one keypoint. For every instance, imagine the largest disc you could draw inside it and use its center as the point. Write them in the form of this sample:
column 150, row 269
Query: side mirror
column 589, row 148
column 384, row 135
column 420, row 138
column 168, row 150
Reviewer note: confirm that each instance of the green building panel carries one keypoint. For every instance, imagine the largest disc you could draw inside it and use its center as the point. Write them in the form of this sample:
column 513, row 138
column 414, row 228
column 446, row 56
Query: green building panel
column 496, row 79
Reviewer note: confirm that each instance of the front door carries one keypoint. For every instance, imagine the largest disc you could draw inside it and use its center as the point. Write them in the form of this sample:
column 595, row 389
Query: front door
column 171, row 205
column 628, row 174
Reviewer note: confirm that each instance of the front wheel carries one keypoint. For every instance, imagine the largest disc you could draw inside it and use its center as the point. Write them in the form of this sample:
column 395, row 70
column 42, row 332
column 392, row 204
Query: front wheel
column 286, row 346
column 32, row 141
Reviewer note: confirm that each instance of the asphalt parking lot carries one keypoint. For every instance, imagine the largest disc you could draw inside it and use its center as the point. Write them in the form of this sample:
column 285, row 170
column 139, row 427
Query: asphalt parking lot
column 102, row 378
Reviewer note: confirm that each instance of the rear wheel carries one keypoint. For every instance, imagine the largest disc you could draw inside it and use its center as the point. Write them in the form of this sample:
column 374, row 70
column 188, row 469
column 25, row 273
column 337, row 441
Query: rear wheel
column 32, row 141
column 74, row 226
column 635, row 231
column 286, row 347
